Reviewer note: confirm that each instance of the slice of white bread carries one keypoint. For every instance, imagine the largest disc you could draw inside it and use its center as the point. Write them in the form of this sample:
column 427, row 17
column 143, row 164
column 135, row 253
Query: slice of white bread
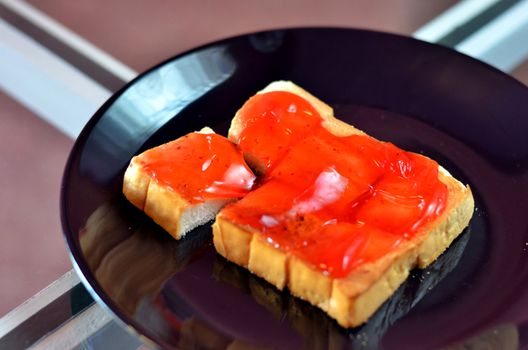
column 164, row 205
column 353, row 299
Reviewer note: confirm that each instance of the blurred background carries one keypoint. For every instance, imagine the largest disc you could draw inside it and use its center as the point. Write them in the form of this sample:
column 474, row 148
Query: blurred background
column 60, row 60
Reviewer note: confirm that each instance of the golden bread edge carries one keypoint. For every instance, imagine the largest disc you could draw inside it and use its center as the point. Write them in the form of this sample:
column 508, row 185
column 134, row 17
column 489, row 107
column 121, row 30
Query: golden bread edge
column 352, row 300
column 163, row 205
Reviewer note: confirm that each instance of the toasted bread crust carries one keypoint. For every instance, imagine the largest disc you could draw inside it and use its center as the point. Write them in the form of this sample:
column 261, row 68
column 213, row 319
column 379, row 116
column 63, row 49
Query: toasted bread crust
column 135, row 184
column 351, row 300
column 165, row 206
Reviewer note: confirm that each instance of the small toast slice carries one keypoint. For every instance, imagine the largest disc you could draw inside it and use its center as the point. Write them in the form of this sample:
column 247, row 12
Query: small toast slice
column 184, row 183
column 349, row 299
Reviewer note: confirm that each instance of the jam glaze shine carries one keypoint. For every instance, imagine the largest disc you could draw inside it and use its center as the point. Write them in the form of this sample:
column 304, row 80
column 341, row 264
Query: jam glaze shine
column 200, row 166
column 334, row 202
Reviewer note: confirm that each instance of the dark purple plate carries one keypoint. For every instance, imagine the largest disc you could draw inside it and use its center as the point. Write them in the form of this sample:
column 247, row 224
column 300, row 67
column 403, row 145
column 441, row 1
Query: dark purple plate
column 468, row 116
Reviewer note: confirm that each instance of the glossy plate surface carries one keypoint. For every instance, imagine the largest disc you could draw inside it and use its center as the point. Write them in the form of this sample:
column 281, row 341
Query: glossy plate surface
column 466, row 115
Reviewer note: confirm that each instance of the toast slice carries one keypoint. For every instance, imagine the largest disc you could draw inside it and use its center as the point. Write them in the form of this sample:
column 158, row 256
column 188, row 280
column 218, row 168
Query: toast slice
column 350, row 298
column 184, row 183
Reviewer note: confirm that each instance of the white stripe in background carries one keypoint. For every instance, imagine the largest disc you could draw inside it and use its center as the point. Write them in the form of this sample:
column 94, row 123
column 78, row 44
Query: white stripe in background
column 452, row 18
column 77, row 330
column 37, row 302
column 68, row 37
column 503, row 42
column 45, row 83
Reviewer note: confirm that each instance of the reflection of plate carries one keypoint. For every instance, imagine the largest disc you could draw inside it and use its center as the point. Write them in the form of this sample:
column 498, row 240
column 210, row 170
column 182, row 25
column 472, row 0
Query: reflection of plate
column 468, row 116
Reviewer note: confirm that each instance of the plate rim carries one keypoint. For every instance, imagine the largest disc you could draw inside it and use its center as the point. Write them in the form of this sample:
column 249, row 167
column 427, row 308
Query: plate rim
column 78, row 261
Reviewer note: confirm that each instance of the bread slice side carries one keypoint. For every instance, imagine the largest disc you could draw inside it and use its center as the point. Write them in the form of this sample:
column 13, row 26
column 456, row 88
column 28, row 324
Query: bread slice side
column 351, row 300
column 164, row 205
column 355, row 298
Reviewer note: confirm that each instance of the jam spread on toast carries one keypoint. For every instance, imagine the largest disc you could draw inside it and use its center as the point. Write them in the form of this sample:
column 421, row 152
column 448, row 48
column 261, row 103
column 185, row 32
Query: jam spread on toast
column 272, row 124
column 334, row 202
column 199, row 166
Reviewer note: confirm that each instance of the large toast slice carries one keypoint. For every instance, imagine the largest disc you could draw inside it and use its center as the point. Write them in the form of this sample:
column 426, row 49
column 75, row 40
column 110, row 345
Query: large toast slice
column 184, row 183
column 352, row 298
